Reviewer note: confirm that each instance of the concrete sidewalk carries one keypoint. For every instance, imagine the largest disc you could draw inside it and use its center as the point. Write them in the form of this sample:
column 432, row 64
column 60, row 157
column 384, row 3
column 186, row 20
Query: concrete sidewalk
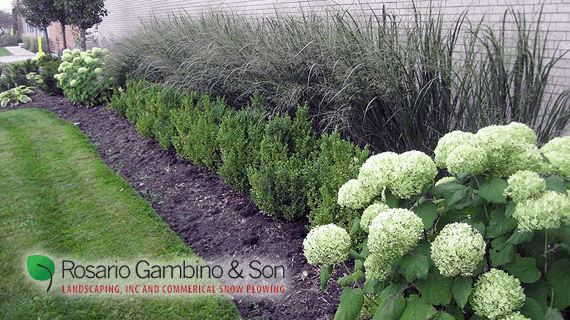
column 18, row 54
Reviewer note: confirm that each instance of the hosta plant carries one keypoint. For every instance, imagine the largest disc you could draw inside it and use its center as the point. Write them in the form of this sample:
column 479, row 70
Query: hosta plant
column 490, row 241
column 15, row 96
column 82, row 77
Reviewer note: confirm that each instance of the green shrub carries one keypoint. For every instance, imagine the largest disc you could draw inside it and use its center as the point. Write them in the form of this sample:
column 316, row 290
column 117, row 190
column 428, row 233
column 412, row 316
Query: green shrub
column 15, row 74
column 484, row 243
column 239, row 139
column 336, row 162
column 48, row 66
column 278, row 177
column 83, row 78
column 196, row 124
column 8, row 40
column 15, row 95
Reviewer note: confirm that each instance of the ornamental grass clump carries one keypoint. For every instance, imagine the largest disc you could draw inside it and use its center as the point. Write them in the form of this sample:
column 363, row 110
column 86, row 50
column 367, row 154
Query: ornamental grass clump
column 457, row 250
column 496, row 293
column 82, row 76
column 479, row 244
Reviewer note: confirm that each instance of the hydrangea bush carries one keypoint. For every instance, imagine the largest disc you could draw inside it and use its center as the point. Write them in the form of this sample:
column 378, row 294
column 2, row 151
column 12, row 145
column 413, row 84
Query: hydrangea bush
column 82, row 77
column 489, row 241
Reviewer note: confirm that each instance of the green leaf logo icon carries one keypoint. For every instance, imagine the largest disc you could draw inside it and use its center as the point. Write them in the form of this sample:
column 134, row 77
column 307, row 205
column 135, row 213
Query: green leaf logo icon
column 41, row 268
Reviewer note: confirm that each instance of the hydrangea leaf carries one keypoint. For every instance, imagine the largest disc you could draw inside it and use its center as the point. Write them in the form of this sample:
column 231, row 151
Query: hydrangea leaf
column 417, row 309
column 532, row 309
column 461, row 290
column 393, row 303
column 524, row 269
column 441, row 315
column 326, row 271
column 555, row 184
column 499, row 224
column 436, row 289
column 519, row 237
column 501, row 252
column 559, row 278
column 553, row 314
column 348, row 279
column 538, row 291
column 428, row 212
column 351, row 301
column 415, row 264
column 493, row 191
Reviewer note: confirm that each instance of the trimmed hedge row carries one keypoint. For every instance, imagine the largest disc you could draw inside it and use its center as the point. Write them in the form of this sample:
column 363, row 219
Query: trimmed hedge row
column 279, row 161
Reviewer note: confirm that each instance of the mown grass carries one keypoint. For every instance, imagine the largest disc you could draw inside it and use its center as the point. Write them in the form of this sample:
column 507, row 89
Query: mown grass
column 390, row 82
column 4, row 52
column 58, row 197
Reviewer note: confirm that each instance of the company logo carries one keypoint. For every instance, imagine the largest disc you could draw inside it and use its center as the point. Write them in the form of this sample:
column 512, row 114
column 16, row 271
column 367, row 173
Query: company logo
column 41, row 268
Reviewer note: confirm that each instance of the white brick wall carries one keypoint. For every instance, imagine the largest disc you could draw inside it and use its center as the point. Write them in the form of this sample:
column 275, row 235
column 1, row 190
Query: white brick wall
column 125, row 15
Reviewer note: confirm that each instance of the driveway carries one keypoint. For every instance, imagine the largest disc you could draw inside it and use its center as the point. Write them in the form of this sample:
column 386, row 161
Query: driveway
column 18, row 54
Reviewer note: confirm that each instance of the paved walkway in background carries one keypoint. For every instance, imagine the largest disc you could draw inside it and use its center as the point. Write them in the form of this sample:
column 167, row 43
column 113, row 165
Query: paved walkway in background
column 18, row 54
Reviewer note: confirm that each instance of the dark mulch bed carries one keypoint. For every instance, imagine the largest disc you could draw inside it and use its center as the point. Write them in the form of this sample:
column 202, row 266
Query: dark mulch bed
column 217, row 222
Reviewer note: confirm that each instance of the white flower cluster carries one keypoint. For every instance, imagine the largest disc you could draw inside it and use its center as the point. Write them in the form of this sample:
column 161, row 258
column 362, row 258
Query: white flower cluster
column 377, row 267
column 514, row 316
column 76, row 61
column 327, row 244
column 457, row 250
column 557, row 151
column 503, row 150
column 525, row 184
column 393, row 233
column 405, row 175
column 549, row 211
column 496, row 293
column 413, row 171
column 354, row 195
column 370, row 213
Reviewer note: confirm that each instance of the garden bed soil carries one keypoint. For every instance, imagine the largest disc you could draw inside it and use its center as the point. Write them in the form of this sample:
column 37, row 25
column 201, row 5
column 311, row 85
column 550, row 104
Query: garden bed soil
column 217, row 222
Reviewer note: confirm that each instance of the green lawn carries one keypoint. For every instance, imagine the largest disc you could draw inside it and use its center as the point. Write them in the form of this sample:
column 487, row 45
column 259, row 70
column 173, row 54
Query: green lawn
column 58, row 197
column 4, row 52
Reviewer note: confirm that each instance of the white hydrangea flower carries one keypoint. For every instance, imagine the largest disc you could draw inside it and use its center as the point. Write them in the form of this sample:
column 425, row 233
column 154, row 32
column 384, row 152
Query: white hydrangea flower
column 82, row 70
column 521, row 132
column 327, row 244
column 466, row 159
column 394, row 233
column 496, row 293
column 525, row 184
column 445, row 180
column 413, row 172
column 557, row 151
column 514, row 316
column 354, row 195
column 457, row 250
column 376, row 171
column 547, row 212
column 377, row 267
column 370, row 213
column 508, row 150
column 447, row 143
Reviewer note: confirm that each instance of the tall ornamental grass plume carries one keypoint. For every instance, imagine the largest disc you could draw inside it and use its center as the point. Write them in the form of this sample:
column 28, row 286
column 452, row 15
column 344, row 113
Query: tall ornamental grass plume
column 393, row 83
column 484, row 243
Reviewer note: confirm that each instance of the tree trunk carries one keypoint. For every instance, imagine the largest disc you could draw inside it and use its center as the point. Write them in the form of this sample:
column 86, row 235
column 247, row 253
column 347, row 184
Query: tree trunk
column 83, row 41
column 48, row 49
column 64, row 37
